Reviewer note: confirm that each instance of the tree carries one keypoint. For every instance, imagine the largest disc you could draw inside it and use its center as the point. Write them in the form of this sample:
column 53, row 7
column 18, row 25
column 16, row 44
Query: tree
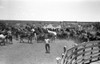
column 97, row 25
column 2, row 25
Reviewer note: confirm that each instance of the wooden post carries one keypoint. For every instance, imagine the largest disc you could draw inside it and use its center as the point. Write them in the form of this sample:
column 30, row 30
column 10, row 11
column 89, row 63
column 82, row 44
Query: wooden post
column 75, row 55
column 65, row 49
column 83, row 54
column 75, row 52
column 63, row 55
column 99, row 51
column 91, row 54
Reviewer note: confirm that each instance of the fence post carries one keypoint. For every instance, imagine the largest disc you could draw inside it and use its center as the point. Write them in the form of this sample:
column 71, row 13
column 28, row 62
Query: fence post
column 76, row 55
column 63, row 55
column 65, row 49
column 83, row 54
column 99, row 50
column 75, row 52
column 91, row 53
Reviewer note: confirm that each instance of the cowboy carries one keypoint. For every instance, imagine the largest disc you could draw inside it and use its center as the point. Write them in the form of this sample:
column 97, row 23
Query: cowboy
column 47, row 45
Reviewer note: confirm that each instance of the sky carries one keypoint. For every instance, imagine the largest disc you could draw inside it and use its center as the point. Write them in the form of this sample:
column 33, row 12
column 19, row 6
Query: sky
column 50, row 10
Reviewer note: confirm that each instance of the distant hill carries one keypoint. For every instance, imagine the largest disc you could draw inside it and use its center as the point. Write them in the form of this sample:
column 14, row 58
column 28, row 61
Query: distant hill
column 27, row 21
column 13, row 22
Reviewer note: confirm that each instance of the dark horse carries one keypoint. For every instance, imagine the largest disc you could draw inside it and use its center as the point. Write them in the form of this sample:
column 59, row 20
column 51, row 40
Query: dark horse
column 9, row 39
column 27, row 36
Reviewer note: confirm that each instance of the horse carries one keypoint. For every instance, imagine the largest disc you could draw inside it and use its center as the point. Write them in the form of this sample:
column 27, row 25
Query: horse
column 26, row 36
column 53, row 34
column 38, row 33
column 2, row 39
column 9, row 38
column 63, row 34
column 15, row 33
column 6, row 36
column 40, row 37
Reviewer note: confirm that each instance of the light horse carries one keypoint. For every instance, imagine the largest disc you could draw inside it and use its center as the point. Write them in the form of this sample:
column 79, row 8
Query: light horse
column 2, row 39
column 2, row 36
column 54, row 34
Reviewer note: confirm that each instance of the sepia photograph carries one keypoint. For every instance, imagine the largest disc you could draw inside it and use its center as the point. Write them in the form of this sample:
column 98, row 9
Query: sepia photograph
column 49, row 31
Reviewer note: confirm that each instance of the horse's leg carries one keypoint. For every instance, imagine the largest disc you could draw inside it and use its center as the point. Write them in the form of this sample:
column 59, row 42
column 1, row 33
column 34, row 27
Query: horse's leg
column 31, row 39
column 68, row 36
column 16, row 37
column 54, row 38
column 3, row 41
column 35, row 36
column 28, row 40
column 6, row 40
column 11, row 40
column 20, row 40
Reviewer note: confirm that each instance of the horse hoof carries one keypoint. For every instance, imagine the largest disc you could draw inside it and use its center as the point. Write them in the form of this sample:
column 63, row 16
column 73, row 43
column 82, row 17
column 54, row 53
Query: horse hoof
column 10, row 43
column 47, row 52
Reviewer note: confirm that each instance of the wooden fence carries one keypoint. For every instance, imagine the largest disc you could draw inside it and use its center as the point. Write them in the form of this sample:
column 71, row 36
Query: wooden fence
column 82, row 54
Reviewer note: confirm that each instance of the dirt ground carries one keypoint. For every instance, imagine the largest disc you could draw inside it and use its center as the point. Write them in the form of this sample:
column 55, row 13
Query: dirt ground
column 24, row 53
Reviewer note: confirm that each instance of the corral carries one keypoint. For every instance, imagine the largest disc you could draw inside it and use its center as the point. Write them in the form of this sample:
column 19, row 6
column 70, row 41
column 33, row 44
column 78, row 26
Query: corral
column 85, row 53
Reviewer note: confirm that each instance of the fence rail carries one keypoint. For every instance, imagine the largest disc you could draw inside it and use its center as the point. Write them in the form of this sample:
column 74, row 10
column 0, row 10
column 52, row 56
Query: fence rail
column 81, row 54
